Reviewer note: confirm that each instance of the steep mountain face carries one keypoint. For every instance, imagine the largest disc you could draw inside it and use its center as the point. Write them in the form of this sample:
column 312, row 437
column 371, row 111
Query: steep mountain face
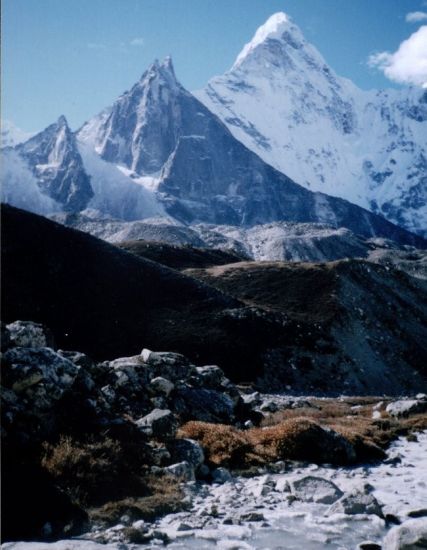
column 285, row 103
column 55, row 161
column 163, row 137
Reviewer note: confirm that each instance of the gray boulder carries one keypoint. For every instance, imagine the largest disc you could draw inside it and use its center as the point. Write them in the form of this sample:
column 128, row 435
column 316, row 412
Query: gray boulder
column 159, row 423
column 28, row 334
column 172, row 366
column 221, row 475
column 369, row 545
column 411, row 535
column 161, row 386
column 187, row 450
column 182, row 470
column 204, row 405
column 405, row 407
column 357, row 502
column 211, row 375
column 41, row 375
column 316, row 489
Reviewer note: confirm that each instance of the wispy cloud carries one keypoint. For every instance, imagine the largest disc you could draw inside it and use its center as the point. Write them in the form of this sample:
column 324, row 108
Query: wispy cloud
column 416, row 16
column 138, row 41
column 408, row 64
column 96, row 46
column 122, row 47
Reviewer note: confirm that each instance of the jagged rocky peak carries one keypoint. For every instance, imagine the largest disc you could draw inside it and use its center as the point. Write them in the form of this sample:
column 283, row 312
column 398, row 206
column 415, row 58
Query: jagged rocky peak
column 55, row 161
column 138, row 131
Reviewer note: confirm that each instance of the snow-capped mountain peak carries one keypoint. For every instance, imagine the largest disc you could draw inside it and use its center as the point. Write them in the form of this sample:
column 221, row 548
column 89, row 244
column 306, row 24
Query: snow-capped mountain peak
column 55, row 161
column 283, row 101
column 278, row 27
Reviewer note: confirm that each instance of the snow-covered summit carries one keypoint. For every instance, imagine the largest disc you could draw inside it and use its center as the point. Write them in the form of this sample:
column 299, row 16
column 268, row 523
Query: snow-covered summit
column 277, row 27
column 283, row 101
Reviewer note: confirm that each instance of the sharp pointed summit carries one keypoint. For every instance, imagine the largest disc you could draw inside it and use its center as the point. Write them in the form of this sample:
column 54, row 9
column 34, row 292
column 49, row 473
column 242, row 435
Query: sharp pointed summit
column 62, row 121
column 283, row 101
column 137, row 131
column 55, row 161
column 278, row 28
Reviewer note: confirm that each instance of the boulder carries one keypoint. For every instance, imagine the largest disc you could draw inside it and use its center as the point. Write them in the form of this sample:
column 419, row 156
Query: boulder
column 405, row 407
column 282, row 485
column 187, row 450
column 161, row 424
column 316, row 489
column 212, row 376
column 204, row 405
column 369, row 545
column 262, row 486
column 161, row 386
column 221, row 475
column 357, row 502
column 410, row 535
column 182, row 470
column 40, row 375
column 252, row 516
column 172, row 366
column 27, row 334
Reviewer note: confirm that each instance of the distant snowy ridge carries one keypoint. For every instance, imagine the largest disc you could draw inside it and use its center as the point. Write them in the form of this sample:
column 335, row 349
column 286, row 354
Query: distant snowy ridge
column 11, row 135
column 282, row 101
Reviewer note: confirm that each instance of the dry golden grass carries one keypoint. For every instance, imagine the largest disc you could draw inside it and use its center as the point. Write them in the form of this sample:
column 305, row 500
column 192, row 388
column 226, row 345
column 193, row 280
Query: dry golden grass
column 165, row 497
column 224, row 445
column 294, row 439
column 296, row 434
column 95, row 471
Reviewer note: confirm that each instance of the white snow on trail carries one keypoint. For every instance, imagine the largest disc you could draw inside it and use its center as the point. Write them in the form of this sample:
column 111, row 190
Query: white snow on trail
column 288, row 525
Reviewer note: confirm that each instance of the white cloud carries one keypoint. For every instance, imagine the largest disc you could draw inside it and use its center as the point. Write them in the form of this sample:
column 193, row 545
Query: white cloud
column 416, row 16
column 137, row 42
column 408, row 64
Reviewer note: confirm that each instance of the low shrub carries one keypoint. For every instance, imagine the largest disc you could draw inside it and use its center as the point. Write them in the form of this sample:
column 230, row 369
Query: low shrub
column 90, row 472
column 165, row 498
column 224, row 445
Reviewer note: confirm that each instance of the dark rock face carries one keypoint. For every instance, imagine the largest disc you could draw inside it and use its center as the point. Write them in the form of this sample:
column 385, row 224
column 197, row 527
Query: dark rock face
column 55, row 161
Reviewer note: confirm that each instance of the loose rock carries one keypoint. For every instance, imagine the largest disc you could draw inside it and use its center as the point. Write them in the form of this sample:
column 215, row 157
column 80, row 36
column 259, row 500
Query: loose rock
column 411, row 535
column 316, row 489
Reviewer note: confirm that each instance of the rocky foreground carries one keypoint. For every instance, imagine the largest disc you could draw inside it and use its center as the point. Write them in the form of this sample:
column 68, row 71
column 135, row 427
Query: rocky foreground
column 103, row 450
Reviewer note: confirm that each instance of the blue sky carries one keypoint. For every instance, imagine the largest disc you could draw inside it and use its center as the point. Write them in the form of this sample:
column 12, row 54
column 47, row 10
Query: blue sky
column 74, row 57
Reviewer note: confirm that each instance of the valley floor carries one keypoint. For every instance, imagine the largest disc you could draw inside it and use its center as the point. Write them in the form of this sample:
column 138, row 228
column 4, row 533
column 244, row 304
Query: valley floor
column 261, row 512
